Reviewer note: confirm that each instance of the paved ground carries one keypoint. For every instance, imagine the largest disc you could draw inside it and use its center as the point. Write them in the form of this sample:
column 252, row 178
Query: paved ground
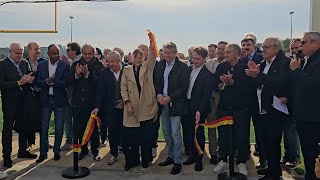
column 29, row 170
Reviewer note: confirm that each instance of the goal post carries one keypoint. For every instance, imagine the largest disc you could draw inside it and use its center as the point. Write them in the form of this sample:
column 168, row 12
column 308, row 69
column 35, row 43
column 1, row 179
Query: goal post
column 35, row 30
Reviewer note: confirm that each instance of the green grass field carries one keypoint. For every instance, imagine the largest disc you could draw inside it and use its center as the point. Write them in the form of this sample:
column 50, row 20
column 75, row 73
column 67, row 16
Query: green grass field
column 299, row 170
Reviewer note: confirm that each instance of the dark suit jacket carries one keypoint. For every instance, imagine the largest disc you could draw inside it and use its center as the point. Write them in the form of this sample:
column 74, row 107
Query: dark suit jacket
column 306, row 88
column 201, row 91
column 275, row 82
column 177, row 86
column 106, row 91
column 257, row 58
column 59, row 85
column 9, row 77
column 84, row 89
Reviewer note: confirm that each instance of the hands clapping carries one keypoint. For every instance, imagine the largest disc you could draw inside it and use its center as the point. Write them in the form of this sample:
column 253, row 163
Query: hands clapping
column 81, row 69
column 27, row 78
column 254, row 69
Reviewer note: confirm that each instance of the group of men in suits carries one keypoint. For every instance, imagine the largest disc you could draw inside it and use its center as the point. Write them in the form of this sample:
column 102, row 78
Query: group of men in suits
column 240, row 81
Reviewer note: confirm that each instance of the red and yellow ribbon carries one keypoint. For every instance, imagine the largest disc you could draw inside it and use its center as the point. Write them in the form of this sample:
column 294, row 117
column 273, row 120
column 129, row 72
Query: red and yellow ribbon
column 154, row 42
column 93, row 120
column 226, row 120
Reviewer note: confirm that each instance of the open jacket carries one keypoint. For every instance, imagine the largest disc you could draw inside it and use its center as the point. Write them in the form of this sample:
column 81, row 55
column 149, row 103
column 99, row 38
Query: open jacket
column 145, row 105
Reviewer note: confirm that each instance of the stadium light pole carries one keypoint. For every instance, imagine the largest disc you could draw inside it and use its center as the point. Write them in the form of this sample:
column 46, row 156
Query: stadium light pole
column 71, row 18
column 291, row 23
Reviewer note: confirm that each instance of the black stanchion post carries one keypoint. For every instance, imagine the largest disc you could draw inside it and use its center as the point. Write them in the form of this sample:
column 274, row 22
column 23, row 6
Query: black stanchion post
column 231, row 175
column 75, row 172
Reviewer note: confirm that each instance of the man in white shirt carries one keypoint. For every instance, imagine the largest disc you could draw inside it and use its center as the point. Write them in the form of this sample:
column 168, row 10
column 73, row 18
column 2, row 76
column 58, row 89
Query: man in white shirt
column 212, row 65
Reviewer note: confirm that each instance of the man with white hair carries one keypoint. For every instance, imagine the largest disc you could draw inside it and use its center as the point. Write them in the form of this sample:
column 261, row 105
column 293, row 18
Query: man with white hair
column 306, row 78
column 272, row 84
column 109, row 103
column 14, row 84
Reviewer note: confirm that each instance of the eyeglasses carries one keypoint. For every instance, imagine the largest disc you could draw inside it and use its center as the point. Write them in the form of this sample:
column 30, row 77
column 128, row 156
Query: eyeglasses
column 304, row 42
column 266, row 47
column 169, row 52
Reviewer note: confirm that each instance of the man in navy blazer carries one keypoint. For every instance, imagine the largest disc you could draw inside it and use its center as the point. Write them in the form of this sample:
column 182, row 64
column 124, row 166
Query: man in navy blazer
column 248, row 46
column 52, row 78
column 109, row 102
column 306, row 88
column 201, row 84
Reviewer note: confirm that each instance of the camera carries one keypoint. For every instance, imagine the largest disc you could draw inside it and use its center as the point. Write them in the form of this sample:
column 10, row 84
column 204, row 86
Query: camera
column 299, row 54
column 32, row 73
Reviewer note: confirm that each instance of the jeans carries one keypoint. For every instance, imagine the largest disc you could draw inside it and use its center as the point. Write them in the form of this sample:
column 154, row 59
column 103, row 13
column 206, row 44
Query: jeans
column 172, row 134
column 58, row 124
column 291, row 141
column 68, row 128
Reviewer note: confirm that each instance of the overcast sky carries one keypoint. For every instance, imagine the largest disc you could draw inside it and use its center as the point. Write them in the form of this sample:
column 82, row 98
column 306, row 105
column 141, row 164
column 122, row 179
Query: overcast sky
column 185, row 22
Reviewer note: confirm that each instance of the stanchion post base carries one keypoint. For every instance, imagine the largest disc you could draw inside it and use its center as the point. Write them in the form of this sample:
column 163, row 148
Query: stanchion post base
column 71, row 174
column 236, row 176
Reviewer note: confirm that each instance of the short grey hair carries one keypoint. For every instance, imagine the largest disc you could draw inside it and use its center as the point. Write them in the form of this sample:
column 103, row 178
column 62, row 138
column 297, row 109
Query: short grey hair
column 120, row 51
column 170, row 45
column 191, row 48
column 315, row 36
column 275, row 42
column 15, row 46
column 29, row 46
column 235, row 48
column 88, row 46
column 252, row 36
column 114, row 54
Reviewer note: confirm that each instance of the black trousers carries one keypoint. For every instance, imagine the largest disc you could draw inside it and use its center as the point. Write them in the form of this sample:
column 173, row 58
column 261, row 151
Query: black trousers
column 185, row 123
column 133, row 138
column 258, row 124
column 189, row 125
column 83, row 115
column 11, row 108
column 104, row 129
column 146, row 141
column 240, row 134
column 273, row 123
column 309, row 134
column 131, row 145
column 115, row 119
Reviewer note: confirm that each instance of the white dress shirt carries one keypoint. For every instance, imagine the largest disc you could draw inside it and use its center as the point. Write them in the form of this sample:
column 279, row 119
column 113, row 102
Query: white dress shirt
column 52, row 71
column 193, row 76
column 117, row 74
column 212, row 64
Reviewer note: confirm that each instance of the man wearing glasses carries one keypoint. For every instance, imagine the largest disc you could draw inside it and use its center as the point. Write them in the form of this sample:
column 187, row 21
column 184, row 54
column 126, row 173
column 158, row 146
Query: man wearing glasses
column 272, row 83
column 74, row 54
column 171, row 88
column 306, row 88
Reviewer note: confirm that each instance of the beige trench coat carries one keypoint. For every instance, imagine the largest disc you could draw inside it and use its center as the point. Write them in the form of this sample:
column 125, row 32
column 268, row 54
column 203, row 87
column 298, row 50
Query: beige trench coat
column 145, row 107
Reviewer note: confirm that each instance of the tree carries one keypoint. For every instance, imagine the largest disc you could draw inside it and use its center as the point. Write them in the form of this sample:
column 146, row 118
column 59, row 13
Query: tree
column 286, row 45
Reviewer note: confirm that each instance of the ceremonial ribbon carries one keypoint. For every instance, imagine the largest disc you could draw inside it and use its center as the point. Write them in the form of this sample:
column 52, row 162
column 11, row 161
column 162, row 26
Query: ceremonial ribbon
column 154, row 42
column 226, row 120
column 93, row 120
